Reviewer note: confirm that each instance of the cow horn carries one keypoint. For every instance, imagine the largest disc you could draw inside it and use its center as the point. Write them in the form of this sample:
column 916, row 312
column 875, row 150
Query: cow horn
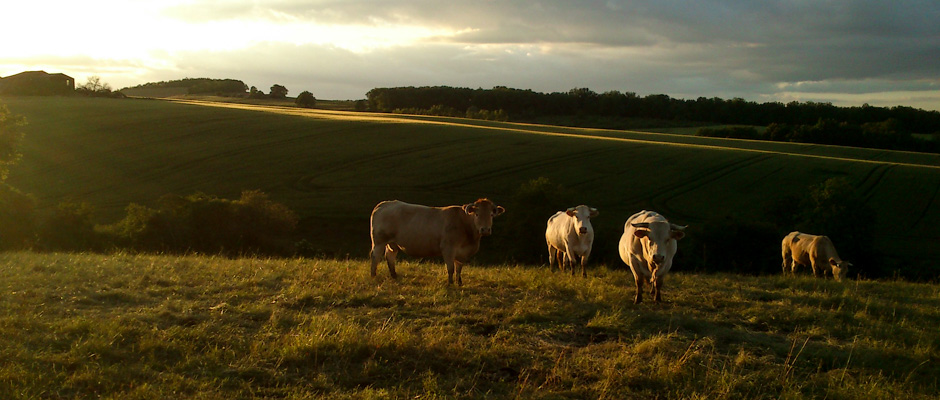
column 468, row 208
column 678, row 227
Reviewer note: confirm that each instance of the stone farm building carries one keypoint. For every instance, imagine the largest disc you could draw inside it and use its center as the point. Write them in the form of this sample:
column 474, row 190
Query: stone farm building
column 37, row 83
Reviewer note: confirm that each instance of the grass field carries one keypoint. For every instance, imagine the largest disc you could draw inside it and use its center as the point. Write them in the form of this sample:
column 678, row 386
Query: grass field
column 149, row 326
column 332, row 167
column 145, row 327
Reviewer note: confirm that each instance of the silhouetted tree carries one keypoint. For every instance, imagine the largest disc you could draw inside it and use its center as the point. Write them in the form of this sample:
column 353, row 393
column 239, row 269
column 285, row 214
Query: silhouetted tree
column 278, row 92
column 306, row 99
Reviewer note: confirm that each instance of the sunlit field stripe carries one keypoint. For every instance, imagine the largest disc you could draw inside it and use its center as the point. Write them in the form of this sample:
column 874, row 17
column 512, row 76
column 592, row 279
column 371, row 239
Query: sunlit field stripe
column 653, row 137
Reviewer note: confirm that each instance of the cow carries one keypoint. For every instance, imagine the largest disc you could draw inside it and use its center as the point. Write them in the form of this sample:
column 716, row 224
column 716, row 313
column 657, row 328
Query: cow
column 569, row 235
column 453, row 232
column 648, row 245
column 818, row 252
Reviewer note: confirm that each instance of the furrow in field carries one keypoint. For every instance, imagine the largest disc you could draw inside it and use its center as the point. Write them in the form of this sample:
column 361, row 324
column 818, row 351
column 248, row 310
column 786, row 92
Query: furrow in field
column 546, row 164
column 658, row 199
column 872, row 180
column 927, row 207
column 307, row 182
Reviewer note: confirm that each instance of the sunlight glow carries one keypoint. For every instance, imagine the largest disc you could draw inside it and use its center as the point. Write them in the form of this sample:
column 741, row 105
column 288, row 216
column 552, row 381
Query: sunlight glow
column 123, row 30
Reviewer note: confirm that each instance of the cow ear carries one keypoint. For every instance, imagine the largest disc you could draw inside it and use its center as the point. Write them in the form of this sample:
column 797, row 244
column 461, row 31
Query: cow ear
column 499, row 210
column 571, row 211
column 640, row 233
column 832, row 261
column 594, row 212
column 468, row 208
column 677, row 234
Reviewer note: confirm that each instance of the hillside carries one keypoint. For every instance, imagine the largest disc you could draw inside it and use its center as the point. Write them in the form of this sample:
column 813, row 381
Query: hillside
column 143, row 327
column 333, row 167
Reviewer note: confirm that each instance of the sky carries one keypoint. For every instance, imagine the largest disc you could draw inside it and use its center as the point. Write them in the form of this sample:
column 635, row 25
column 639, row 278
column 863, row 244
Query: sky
column 847, row 52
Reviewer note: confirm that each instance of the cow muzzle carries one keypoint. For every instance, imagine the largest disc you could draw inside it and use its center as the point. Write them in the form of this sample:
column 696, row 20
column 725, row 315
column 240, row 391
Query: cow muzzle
column 486, row 231
column 658, row 259
column 582, row 231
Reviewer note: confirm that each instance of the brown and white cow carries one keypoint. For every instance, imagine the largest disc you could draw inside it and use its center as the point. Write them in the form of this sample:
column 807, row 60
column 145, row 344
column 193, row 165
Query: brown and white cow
column 569, row 235
column 648, row 245
column 453, row 232
column 818, row 252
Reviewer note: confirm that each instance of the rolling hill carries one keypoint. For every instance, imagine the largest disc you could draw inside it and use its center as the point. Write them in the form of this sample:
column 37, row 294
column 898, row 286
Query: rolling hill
column 333, row 167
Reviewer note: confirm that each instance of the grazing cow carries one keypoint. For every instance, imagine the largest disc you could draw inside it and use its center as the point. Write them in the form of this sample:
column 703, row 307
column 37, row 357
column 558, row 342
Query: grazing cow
column 453, row 232
column 648, row 246
column 816, row 251
column 569, row 235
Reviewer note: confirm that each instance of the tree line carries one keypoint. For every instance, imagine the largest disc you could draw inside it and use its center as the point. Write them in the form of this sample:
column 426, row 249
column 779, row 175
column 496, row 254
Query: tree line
column 521, row 105
column 199, row 85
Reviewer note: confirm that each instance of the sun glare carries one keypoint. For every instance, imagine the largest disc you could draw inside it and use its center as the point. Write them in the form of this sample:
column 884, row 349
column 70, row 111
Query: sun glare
column 136, row 30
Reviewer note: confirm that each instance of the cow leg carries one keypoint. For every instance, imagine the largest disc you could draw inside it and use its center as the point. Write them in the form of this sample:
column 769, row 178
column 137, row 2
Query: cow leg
column 391, row 255
column 657, row 285
column 449, row 260
column 815, row 270
column 572, row 261
column 551, row 258
column 377, row 255
column 584, row 259
column 458, row 266
column 639, row 288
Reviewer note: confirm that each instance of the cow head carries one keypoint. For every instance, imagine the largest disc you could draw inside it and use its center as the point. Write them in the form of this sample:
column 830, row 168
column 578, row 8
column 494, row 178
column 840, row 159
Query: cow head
column 483, row 211
column 660, row 237
column 839, row 268
column 582, row 218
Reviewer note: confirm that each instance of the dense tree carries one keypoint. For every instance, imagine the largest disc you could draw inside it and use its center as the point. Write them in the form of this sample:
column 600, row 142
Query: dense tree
column 278, row 92
column 306, row 99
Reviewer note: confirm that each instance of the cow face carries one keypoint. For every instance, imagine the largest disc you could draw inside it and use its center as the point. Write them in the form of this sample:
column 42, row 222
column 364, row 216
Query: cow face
column 483, row 211
column 660, row 239
column 582, row 218
column 839, row 269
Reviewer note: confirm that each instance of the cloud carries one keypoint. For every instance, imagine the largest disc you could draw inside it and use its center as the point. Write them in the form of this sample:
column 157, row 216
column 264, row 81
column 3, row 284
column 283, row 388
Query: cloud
column 758, row 50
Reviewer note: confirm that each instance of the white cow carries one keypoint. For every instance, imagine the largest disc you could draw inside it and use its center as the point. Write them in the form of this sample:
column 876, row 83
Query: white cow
column 569, row 235
column 648, row 246
column 816, row 251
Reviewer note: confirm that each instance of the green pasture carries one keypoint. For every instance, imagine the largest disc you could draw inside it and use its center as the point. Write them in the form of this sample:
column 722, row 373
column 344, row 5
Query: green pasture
column 157, row 327
column 332, row 167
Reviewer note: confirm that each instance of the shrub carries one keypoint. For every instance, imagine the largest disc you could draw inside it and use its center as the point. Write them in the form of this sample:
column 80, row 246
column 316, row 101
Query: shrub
column 70, row 228
column 17, row 219
column 201, row 223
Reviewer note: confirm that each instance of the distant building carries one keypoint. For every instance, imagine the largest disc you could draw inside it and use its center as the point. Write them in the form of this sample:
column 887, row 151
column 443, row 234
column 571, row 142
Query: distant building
column 37, row 83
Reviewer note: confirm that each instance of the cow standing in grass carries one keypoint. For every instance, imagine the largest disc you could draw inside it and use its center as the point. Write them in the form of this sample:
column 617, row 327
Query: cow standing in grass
column 816, row 251
column 648, row 245
column 452, row 232
column 569, row 236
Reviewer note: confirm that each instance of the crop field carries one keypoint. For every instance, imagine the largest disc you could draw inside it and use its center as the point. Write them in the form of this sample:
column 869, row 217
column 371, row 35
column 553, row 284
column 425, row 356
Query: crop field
column 332, row 167
column 144, row 327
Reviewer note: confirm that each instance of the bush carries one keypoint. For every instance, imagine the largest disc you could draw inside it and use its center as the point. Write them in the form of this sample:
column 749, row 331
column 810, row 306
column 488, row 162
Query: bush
column 201, row 223
column 17, row 219
column 70, row 228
